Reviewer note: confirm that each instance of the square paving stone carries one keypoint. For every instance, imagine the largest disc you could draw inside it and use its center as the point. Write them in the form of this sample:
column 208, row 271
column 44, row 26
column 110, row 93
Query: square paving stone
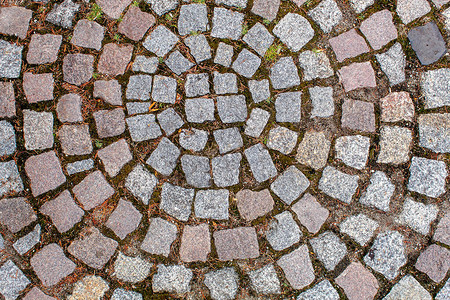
column 131, row 269
column 113, row 8
column 436, row 87
column 313, row 150
column 143, row 127
column 327, row 14
column 246, row 64
column 43, row 48
column 283, row 231
column 265, row 280
column 227, row 24
column 169, row 120
column 124, row 220
column 12, row 280
column 225, row 169
column 232, row 109
column 7, row 138
column 78, row 68
column 360, row 228
column 160, row 236
column 164, row 158
column 115, row 156
column 358, row 115
column 193, row 18
column 259, row 89
column 322, row 101
column 282, row 139
column 224, row 54
column 256, row 122
column 160, row 41
column 236, row 243
column 290, row 185
column 260, row 162
column 36, row 293
column 310, row 213
column 109, row 123
column 93, row 248
column 63, row 211
column 7, row 98
column 139, row 87
column 51, row 265
column 10, row 181
column 427, row 42
column 14, row 20
column 178, row 63
column 228, row 139
column 212, row 204
column 89, row 286
column 379, row 29
column 315, row 65
column 397, row 106
column 10, row 59
column 109, row 91
column 322, row 290
column 357, row 282
column 80, row 166
column 38, row 87
column 284, row 74
column 45, row 173
column 145, row 64
column 288, row 107
column 393, row 64
column 408, row 287
column 75, row 139
column 266, row 9
column 135, row 23
column 379, row 192
column 93, row 190
column 435, row 262
column 348, row 45
column 196, row 85
column 259, row 38
column 196, row 170
column 195, row 243
column 16, row 213
column 297, row 267
column 114, row 59
column 434, row 132
column 193, row 139
column 164, row 89
column 88, row 34
column 172, row 279
column 141, row 183
column 357, row 75
column 62, row 14
column 199, row 46
column 408, row 10
column 294, row 31
column 225, row 83
column 360, row 5
column 330, row 250
column 395, row 143
column 387, row 254
column 338, row 185
column 441, row 234
column 353, row 150
column 252, row 204
column 417, row 215
column 222, row 283
column 177, row 201
column 68, row 108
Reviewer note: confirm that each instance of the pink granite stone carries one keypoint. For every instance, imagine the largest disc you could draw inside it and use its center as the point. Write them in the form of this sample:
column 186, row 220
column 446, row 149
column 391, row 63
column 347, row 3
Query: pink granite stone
column 68, row 108
column 297, row 267
column 442, row 233
column 236, row 243
column 252, row 205
column 16, row 213
column 109, row 91
column 268, row 9
column 379, row 29
column 358, row 115
column 93, row 190
column 115, row 156
column 124, row 220
column 310, row 213
column 43, row 48
column 38, row 87
column 113, row 8
column 397, row 106
column 14, row 20
column 357, row 282
column 195, row 243
column 135, row 23
column 114, row 59
column 37, row 294
column 348, row 44
column 357, row 75
column 435, row 262
column 7, row 100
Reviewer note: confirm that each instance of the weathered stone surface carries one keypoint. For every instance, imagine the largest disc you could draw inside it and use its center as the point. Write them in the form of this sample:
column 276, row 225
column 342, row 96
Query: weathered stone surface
column 135, row 23
column 294, row 30
column 435, row 262
column 297, row 267
column 232, row 109
column 227, row 24
column 7, row 98
column 315, row 65
column 353, row 150
column 143, row 127
column 259, row 89
column 284, row 74
column 361, row 5
column 124, row 220
column 161, row 7
column 88, row 34
column 397, row 106
column 322, row 101
column 246, row 64
column 436, row 88
column 28, row 241
column 288, row 107
column 322, row 290
column 199, row 110
column 290, row 185
column 310, row 213
column 223, row 284
column 313, row 150
column 139, row 87
column 282, row 139
column 110, row 123
column 283, row 231
column 408, row 288
column 10, row 181
column 93, row 190
column 195, row 243
column 178, row 63
column 113, row 8
column 261, row 163
column 43, row 48
column 256, row 122
column 164, row 158
column 68, row 108
column 45, row 173
column 75, row 139
column 121, row 294
column 357, row 282
column 418, row 216
column 145, row 64
column 427, row 42
column 427, row 176
column 37, row 129
column 93, row 248
column 395, row 143
column 358, row 115
column 442, row 232
column 14, row 20
column 196, row 85
column 348, row 45
column 160, row 236
column 408, row 10
column 379, row 29
column 199, row 46
column 225, row 169
column 357, row 75
column 252, row 205
column 224, row 54
column 225, row 83
column 228, row 139
column 141, row 183
column 10, row 60
column 327, row 14
column 235, row 3
column 38, row 87
column 444, row 293
column 131, row 269
column 12, row 280
column 359, row 227
column 193, row 139
column 379, row 192
column 63, row 211
column 236, row 243
column 265, row 280
column 173, row 279
column 338, row 185
column 51, row 265
column 196, row 170
column 62, row 14
column 176, row 201
column 266, row 9
column 160, row 41
column 80, row 166
column 7, row 138
column 434, row 132
column 330, row 250
column 393, row 64
column 169, row 121
column 164, row 89
column 90, row 287
column 16, row 213
column 114, row 59
column 193, row 18
column 115, row 156
column 259, row 38
column 78, row 68
column 109, row 91
column 35, row 294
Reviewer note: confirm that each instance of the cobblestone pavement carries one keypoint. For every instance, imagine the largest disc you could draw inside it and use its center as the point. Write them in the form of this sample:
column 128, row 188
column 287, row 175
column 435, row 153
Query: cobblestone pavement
column 227, row 149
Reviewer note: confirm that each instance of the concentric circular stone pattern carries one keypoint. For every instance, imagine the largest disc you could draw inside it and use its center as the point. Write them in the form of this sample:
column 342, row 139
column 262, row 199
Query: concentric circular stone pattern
column 224, row 149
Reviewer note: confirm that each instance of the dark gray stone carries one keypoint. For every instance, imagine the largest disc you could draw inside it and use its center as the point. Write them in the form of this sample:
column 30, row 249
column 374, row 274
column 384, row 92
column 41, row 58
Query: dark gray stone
column 427, row 42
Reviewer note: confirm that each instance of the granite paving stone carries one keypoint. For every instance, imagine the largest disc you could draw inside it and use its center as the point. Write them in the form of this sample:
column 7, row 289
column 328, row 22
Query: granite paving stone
column 7, row 98
column 143, row 127
column 38, row 87
column 109, row 123
column 360, row 228
column 259, row 89
column 379, row 29
column 113, row 8
column 228, row 139
column 357, row 75
column 256, row 122
column 357, row 282
column 43, row 48
column 408, row 288
column 16, row 213
column 379, row 192
column 261, row 163
column 68, row 108
column 164, row 158
column 172, row 278
column 10, row 180
column 10, row 59
column 141, row 183
column 348, row 45
column 322, row 101
column 193, row 18
column 427, row 176
column 225, row 83
column 397, row 106
column 196, row 85
column 90, row 286
column 435, row 262
column 427, row 42
column 436, row 88
column 226, row 169
column 283, row 231
column 75, row 139
column 212, row 204
column 434, row 132
column 327, row 14
column 63, row 14
column 135, row 23
column 393, row 64
column 315, row 64
column 418, row 216
column 160, row 236
column 7, row 138
column 441, row 234
column 80, row 166
column 290, row 185
column 288, row 107
column 297, row 267
column 36, row 293
column 160, row 41
column 139, row 87
column 160, row 7
column 199, row 46
column 109, row 91
column 446, row 15
column 169, row 121
column 88, row 34
column 124, row 220
column 234, row 3
column 178, row 63
column 254, row 204
column 339, row 185
column 330, row 250
column 236, row 243
column 284, row 74
column 14, row 20
column 78, row 68
column 444, row 293
column 313, row 150
column 93, row 190
column 266, row 9
column 439, row 3
column 224, row 54
column 395, row 143
column 310, row 213
column 227, row 24
column 164, row 89
column 145, row 64
column 282, row 139
column 131, row 269
column 409, row 11
column 361, row 5
column 259, row 38
column 122, row 294
column 195, row 243
column 28, row 241
column 177, row 201
column 358, row 115
column 134, row 108
column 353, row 150
column 196, row 170
column 232, row 109
column 265, row 280
column 114, row 59
column 246, row 64
column 223, row 283
column 193, row 139
column 12, row 280
column 322, row 290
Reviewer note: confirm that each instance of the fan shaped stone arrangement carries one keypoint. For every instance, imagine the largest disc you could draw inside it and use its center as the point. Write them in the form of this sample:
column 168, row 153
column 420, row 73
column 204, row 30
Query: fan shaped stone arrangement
column 227, row 149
